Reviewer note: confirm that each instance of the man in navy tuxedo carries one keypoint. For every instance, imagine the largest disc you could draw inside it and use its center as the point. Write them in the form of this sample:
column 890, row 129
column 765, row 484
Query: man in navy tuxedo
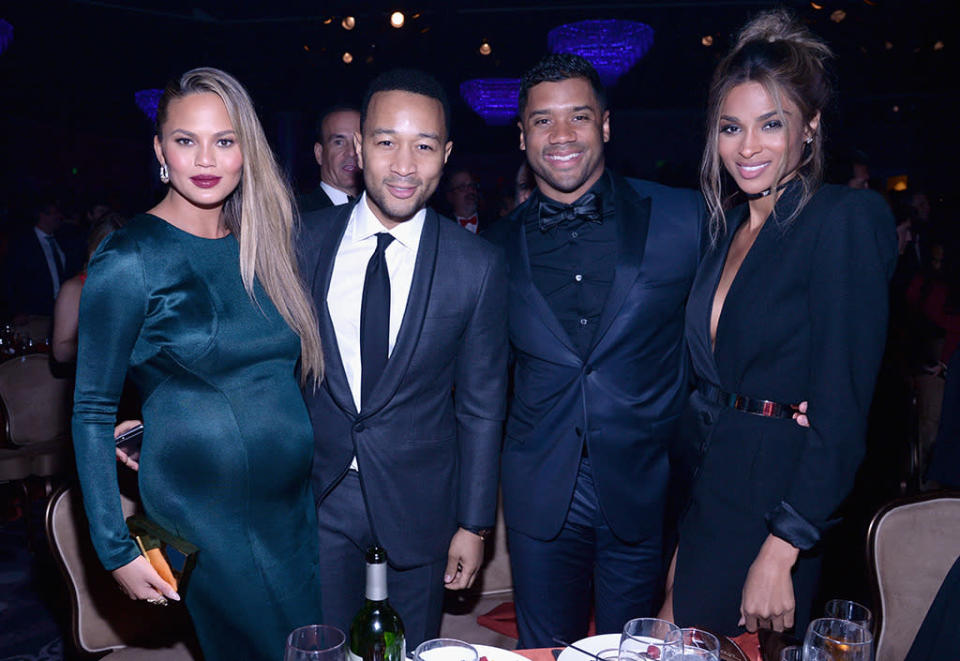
column 409, row 418
column 599, row 268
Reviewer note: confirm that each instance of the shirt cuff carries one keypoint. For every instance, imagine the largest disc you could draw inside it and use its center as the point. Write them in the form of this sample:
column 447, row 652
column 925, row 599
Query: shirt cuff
column 786, row 523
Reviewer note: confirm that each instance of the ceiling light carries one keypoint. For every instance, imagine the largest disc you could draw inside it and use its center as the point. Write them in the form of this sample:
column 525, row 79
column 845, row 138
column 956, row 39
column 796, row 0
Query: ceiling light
column 348, row 23
column 397, row 18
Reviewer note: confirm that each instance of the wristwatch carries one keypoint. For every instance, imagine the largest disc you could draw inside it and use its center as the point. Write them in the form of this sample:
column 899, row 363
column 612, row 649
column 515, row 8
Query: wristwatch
column 482, row 533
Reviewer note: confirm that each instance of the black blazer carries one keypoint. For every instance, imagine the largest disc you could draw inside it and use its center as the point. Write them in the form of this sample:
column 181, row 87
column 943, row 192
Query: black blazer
column 428, row 458
column 314, row 200
column 29, row 283
column 805, row 319
column 626, row 395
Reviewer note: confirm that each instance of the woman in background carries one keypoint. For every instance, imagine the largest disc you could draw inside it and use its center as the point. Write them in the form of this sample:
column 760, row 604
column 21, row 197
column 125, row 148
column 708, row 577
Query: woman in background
column 200, row 300
column 789, row 304
column 66, row 310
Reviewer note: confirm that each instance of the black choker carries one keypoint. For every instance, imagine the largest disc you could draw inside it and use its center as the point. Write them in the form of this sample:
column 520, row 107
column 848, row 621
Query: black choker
column 764, row 193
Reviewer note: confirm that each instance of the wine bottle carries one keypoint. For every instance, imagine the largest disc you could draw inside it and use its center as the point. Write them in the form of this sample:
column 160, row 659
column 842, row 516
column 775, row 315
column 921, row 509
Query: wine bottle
column 376, row 633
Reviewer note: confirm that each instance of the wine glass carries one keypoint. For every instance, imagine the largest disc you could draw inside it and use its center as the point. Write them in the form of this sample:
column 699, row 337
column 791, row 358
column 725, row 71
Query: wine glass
column 644, row 638
column 316, row 642
column 694, row 645
column 839, row 640
column 445, row 649
column 844, row 609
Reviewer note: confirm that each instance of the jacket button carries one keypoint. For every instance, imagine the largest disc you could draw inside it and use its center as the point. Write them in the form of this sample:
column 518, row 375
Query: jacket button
column 578, row 430
column 359, row 427
column 706, row 417
column 588, row 370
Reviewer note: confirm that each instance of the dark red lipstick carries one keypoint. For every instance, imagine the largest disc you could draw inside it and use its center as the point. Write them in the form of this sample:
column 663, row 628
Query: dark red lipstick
column 205, row 180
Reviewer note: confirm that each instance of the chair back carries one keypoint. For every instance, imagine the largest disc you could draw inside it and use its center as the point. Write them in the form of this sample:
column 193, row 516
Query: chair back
column 102, row 617
column 911, row 545
column 36, row 404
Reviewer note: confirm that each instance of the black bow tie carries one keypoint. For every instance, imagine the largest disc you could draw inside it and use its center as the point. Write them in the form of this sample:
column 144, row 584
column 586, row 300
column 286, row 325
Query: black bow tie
column 589, row 207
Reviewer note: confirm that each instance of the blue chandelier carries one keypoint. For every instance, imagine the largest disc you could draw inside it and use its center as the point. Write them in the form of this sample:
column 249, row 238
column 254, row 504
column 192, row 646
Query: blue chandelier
column 611, row 46
column 494, row 99
column 147, row 101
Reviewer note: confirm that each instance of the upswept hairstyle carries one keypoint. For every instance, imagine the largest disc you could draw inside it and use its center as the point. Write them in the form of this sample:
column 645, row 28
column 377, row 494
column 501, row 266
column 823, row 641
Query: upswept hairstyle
column 777, row 51
column 414, row 81
column 556, row 67
column 260, row 212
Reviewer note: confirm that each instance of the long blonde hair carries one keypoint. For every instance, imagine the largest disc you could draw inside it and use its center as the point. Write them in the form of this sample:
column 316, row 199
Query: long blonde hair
column 260, row 213
column 777, row 51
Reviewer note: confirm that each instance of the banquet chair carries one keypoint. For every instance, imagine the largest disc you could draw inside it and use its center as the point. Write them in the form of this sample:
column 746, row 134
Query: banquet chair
column 35, row 409
column 103, row 618
column 911, row 545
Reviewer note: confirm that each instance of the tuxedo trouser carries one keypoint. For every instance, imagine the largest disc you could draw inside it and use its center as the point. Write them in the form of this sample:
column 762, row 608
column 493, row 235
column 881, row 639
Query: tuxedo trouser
column 345, row 535
column 554, row 580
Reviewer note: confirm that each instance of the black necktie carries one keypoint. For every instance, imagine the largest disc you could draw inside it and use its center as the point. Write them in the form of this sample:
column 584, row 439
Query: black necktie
column 351, row 199
column 375, row 319
column 588, row 207
column 54, row 248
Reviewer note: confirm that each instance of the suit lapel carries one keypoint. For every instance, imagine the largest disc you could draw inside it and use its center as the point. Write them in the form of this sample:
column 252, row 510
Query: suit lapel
column 335, row 376
column 409, row 333
column 518, row 261
column 633, row 221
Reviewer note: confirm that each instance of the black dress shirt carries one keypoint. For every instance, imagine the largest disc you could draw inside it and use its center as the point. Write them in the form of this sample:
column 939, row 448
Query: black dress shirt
column 573, row 264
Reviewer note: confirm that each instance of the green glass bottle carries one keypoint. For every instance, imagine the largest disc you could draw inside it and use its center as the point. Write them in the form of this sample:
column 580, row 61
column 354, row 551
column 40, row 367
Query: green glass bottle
column 376, row 633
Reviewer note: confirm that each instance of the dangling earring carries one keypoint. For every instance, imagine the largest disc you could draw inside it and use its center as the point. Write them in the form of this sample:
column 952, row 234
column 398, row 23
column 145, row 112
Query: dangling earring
column 164, row 173
column 809, row 140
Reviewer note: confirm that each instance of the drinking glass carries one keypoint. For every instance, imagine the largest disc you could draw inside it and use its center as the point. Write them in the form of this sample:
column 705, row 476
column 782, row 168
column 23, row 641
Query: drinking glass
column 316, row 642
column 445, row 649
column 839, row 640
column 645, row 638
column 795, row 653
column 695, row 645
column 844, row 609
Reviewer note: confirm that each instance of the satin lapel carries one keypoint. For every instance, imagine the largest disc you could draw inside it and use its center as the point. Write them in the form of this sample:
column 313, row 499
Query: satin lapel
column 409, row 333
column 335, row 376
column 518, row 260
column 633, row 221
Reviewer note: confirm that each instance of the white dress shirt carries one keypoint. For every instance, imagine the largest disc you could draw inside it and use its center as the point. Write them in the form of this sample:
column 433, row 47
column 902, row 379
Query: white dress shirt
column 345, row 296
column 50, row 256
column 336, row 195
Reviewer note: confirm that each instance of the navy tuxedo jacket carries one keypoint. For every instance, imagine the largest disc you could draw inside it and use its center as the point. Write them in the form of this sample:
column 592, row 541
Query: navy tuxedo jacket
column 623, row 400
column 428, row 456
column 29, row 282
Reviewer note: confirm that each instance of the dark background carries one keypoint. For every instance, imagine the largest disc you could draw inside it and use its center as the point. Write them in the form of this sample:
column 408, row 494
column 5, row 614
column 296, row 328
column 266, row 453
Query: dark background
column 67, row 81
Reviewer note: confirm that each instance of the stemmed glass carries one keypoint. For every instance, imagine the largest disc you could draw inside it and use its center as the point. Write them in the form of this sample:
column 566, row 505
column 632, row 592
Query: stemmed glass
column 844, row 609
column 795, row 653
column 839, row 640
column 316, row 642
column 695, row 645
column 445, row 649
column 646, row 638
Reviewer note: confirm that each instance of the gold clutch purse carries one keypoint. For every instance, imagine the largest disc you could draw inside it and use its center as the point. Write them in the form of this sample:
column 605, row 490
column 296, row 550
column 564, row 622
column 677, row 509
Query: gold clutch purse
column 171, row 556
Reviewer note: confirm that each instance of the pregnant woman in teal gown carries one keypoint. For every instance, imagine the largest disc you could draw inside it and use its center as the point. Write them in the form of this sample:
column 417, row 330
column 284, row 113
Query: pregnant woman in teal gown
column 199, row 300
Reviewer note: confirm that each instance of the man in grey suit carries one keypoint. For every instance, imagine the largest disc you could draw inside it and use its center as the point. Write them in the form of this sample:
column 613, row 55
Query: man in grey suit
column 408, row 420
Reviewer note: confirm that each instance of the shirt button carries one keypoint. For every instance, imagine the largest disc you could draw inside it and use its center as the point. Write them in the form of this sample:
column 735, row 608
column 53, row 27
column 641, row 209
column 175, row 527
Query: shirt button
column 583, row 322
column 578, row 277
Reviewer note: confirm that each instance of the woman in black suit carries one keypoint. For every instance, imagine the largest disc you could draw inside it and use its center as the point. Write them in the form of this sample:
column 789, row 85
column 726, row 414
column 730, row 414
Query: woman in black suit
column 789, row 305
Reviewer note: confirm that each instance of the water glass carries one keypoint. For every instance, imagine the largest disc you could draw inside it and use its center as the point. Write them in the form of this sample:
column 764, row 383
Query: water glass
column 695, row 645
column 795, row 653
column 844, row 609
column 445, row 649
column 316, row 642
column 645, row 638
column 838, row 640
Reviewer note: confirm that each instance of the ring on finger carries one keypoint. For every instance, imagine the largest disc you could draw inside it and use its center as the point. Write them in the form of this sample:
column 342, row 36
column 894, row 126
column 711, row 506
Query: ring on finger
column 157, row 601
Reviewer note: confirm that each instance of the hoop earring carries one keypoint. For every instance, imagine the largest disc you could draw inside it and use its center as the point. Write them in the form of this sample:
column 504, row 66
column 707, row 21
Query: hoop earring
column 164, row 173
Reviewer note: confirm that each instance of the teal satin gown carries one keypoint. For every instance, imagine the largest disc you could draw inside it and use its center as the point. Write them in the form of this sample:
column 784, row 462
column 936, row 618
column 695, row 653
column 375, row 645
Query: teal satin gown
column 227, row 448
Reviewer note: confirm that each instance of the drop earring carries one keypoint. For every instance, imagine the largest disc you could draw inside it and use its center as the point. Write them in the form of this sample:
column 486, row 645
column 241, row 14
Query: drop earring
column 164, row 173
